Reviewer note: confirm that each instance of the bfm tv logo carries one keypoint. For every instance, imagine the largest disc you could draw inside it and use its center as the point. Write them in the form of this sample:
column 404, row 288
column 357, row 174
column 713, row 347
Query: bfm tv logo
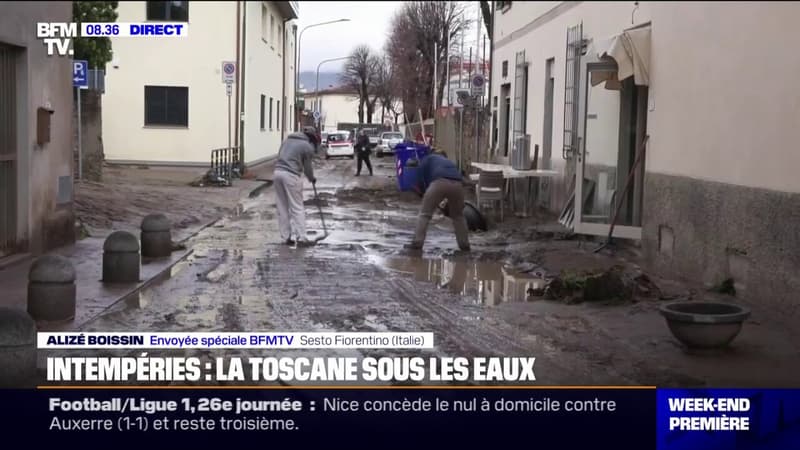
column 57, row 36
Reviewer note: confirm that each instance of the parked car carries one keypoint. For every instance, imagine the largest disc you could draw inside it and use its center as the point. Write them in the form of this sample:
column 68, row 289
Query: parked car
column 324, row 139
column 388, row 142
column 339, row 144
column 374, row 136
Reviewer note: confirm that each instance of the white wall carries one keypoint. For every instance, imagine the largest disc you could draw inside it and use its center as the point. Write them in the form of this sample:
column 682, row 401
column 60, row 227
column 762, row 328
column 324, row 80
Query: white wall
column 263, row 72
column 193, row 61
column 725, row 97
column 343, row 108
column 720, row 104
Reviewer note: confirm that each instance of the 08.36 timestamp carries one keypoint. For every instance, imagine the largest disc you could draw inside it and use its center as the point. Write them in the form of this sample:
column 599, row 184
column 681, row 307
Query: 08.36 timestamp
column 97, row 30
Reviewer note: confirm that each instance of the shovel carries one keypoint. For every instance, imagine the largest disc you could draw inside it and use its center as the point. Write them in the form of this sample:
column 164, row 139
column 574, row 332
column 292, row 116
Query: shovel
column 321, row 216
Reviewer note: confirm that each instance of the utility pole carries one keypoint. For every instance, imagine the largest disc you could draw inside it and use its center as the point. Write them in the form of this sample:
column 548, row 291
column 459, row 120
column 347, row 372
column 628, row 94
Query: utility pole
column 461, row 62
column 478, row 101
column 435, row 76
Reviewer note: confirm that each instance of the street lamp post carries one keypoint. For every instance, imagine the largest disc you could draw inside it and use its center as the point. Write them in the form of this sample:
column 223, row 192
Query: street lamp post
column 316, row 89
column 449, row 102
column 297, row 64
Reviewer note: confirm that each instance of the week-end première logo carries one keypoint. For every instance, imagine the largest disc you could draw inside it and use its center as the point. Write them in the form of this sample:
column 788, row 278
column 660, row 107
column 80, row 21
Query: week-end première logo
column 58, row 36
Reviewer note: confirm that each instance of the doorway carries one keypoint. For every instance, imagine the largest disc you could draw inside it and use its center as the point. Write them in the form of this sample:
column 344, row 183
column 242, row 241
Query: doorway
column 547, row 129
column 612, row 128
column 505, row 117
column 8, row 150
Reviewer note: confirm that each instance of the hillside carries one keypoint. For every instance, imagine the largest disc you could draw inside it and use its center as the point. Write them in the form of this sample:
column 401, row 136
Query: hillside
column 308, row 79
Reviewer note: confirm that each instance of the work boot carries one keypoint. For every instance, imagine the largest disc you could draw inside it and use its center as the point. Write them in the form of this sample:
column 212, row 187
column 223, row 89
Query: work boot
column 289, row 241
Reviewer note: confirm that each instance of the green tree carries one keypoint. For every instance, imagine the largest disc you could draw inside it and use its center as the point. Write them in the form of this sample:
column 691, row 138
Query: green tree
column 96, row 50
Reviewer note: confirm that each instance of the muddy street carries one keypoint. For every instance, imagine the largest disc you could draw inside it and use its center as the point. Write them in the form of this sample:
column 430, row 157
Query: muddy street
column 240, row 277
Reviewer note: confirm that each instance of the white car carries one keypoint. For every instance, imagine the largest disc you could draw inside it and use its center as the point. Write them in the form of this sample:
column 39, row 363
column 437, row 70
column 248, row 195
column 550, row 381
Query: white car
column 388, row 141
column 339, row 144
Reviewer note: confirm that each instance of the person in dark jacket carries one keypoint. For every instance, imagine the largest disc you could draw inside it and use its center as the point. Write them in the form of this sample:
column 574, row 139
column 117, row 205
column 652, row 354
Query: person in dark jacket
column 438, row 179
column 363, row 151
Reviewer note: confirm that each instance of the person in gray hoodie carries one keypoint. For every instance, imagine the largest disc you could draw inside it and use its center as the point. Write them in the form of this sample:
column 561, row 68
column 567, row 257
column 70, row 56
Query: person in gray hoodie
column 294, row 160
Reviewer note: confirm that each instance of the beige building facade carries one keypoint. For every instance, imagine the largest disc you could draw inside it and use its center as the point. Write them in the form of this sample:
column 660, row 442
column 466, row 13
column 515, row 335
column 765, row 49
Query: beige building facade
column 700, row 93
column 340, row 106
column 165, row 100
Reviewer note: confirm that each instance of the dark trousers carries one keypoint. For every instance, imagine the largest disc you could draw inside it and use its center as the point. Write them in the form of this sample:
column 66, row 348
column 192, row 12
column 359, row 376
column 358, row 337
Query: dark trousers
column 363, row 157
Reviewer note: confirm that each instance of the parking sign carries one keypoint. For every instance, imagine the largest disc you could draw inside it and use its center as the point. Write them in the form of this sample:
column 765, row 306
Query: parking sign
column 478, row 84
column 80, row 74
column 228, row 72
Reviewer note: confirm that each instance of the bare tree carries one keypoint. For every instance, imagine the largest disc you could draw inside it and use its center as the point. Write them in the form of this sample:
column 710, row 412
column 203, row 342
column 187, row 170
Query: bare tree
column 419, row 35
column 384, row 85
column 358, row 75
column 374, row 85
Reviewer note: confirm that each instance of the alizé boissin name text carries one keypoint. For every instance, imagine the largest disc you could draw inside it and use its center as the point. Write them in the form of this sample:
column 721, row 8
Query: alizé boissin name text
column 144, row 368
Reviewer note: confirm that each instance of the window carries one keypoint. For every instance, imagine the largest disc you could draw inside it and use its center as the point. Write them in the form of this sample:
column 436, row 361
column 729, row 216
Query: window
column 166, row 105
column 261, row 121
column 270, row 113
column 168, row 11
column 271, row 28
column 264, row 22
column 278, row 116
column 505, row 68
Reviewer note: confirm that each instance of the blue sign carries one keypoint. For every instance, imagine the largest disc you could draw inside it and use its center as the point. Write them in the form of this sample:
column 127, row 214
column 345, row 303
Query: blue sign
column 80, row 74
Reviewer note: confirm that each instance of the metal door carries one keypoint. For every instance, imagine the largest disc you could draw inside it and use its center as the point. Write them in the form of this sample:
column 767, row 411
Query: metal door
column 599, row 168
column 8, row 150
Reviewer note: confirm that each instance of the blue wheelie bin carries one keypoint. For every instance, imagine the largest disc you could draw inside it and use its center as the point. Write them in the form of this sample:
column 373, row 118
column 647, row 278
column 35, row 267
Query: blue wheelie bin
column 403, row 153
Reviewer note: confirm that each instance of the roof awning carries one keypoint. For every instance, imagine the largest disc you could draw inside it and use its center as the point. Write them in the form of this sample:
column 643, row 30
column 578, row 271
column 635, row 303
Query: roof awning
column 631, row 51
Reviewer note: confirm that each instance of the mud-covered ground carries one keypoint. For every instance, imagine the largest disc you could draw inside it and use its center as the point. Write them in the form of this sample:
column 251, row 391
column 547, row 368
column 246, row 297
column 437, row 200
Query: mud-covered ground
column 499, row 300
column 127, row 194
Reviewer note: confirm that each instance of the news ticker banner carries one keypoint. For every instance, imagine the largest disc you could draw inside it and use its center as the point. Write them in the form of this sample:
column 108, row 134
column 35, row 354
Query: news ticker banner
column 58, row 36
column 401, row 417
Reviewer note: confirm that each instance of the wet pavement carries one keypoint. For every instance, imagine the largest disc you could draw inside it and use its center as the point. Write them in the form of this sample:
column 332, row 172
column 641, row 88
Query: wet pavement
column 239, row 277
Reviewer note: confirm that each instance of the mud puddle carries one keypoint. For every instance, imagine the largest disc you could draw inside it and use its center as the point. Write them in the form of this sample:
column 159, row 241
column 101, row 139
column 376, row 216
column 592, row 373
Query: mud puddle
column 484, row 283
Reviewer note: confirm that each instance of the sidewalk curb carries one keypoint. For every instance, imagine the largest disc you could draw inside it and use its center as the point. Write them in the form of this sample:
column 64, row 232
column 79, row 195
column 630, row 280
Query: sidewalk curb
column 159, row 276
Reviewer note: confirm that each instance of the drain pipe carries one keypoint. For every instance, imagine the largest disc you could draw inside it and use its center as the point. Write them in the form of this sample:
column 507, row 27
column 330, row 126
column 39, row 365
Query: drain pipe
column 295, row 115
column 283, row 81
column 239, row 74
column 244, row 59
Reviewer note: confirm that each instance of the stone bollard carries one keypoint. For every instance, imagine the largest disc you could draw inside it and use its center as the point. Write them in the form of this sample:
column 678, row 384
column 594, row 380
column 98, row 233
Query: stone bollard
column 51, row 289
column 156, row 237
column 121, row 261
column 17, row 348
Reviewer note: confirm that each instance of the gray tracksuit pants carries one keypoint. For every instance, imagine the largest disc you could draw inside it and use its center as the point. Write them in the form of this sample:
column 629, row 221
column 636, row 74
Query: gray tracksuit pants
column 291, row 212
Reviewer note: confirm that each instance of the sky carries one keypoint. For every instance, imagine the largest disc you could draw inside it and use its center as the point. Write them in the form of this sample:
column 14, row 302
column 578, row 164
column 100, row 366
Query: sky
column 369, row 24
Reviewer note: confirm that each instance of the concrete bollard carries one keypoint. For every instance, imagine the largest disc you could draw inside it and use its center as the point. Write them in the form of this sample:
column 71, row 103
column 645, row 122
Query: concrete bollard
column 51, row 289
column 17, row 348
column 156, row 237
column 121, row 261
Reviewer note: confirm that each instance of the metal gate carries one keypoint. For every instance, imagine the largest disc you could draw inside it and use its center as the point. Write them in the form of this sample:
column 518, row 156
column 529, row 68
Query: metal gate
column 572, row 91
column 8, row 150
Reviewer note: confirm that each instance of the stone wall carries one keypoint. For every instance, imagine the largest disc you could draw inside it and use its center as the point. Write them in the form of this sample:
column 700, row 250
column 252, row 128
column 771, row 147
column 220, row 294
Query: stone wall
column 710, row 231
